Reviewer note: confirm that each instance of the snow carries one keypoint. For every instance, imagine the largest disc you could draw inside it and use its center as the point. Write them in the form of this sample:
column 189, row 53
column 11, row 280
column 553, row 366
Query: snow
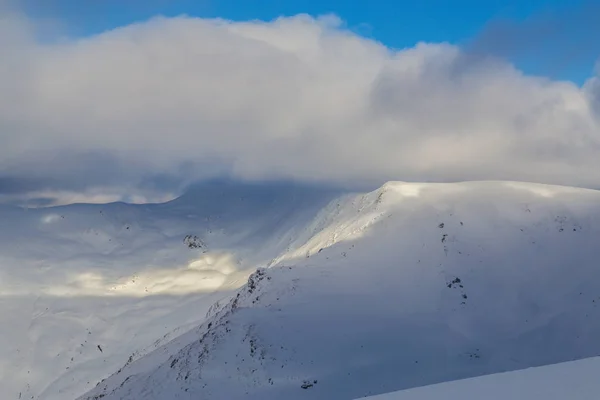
column 357, row 294
column 406, row 286
column 577, row 380
column 124, row 278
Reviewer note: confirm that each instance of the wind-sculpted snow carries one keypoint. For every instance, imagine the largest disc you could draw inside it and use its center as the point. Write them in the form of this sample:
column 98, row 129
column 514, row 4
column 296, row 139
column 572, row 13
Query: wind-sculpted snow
column 410, row 285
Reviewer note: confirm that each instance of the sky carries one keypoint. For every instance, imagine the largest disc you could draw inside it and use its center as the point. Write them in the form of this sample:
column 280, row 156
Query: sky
column 397, row 24
column 110, row 100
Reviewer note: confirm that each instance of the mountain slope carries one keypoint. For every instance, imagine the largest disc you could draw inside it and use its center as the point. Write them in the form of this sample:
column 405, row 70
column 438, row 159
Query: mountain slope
column 85, row 288
column 410, row 285
column 576, row 380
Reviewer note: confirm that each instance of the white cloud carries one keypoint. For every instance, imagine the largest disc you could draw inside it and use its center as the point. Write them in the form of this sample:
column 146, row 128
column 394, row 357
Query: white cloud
column 293, row 98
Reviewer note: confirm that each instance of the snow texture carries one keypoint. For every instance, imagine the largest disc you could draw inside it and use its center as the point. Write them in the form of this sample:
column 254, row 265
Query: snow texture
column 85, row 289
column 406, row 286
column 280, row 291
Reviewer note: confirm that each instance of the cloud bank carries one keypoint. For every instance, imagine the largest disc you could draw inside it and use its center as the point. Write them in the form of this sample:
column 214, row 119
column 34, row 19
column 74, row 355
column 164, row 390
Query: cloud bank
column 556, row 40
column 148, row 108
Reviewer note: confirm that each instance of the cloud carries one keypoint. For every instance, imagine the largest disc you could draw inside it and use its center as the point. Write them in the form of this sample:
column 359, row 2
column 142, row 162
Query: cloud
column 592, row 89
column 556, row 39
column 151, row 107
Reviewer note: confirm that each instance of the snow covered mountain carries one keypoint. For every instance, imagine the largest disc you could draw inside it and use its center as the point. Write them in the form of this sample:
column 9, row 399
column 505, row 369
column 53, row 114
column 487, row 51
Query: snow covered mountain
column 356, row 295
column 409, row 285
column 84, row 288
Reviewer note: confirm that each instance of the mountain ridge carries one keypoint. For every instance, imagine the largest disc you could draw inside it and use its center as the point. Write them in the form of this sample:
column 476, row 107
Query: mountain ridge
column 323, row 282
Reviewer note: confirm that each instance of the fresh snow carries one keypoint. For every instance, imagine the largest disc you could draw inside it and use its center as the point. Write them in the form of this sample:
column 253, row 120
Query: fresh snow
column 356, row 295
column 85, row 289
column 576, row 380
column 409, row 285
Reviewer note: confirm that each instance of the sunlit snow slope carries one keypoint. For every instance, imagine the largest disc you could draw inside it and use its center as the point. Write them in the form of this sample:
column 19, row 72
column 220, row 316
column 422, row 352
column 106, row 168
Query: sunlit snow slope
column 86, row 288
column 410, row 285
column 575, row 380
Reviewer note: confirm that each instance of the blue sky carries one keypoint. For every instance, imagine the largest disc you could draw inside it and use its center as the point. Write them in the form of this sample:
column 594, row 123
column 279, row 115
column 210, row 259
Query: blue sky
column 397, row 24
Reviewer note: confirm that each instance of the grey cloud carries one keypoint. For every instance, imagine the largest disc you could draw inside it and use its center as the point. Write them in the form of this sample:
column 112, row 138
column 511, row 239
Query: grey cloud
column 592, row 89
column 145, row 110
column 18, row 185
column 556, row 39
